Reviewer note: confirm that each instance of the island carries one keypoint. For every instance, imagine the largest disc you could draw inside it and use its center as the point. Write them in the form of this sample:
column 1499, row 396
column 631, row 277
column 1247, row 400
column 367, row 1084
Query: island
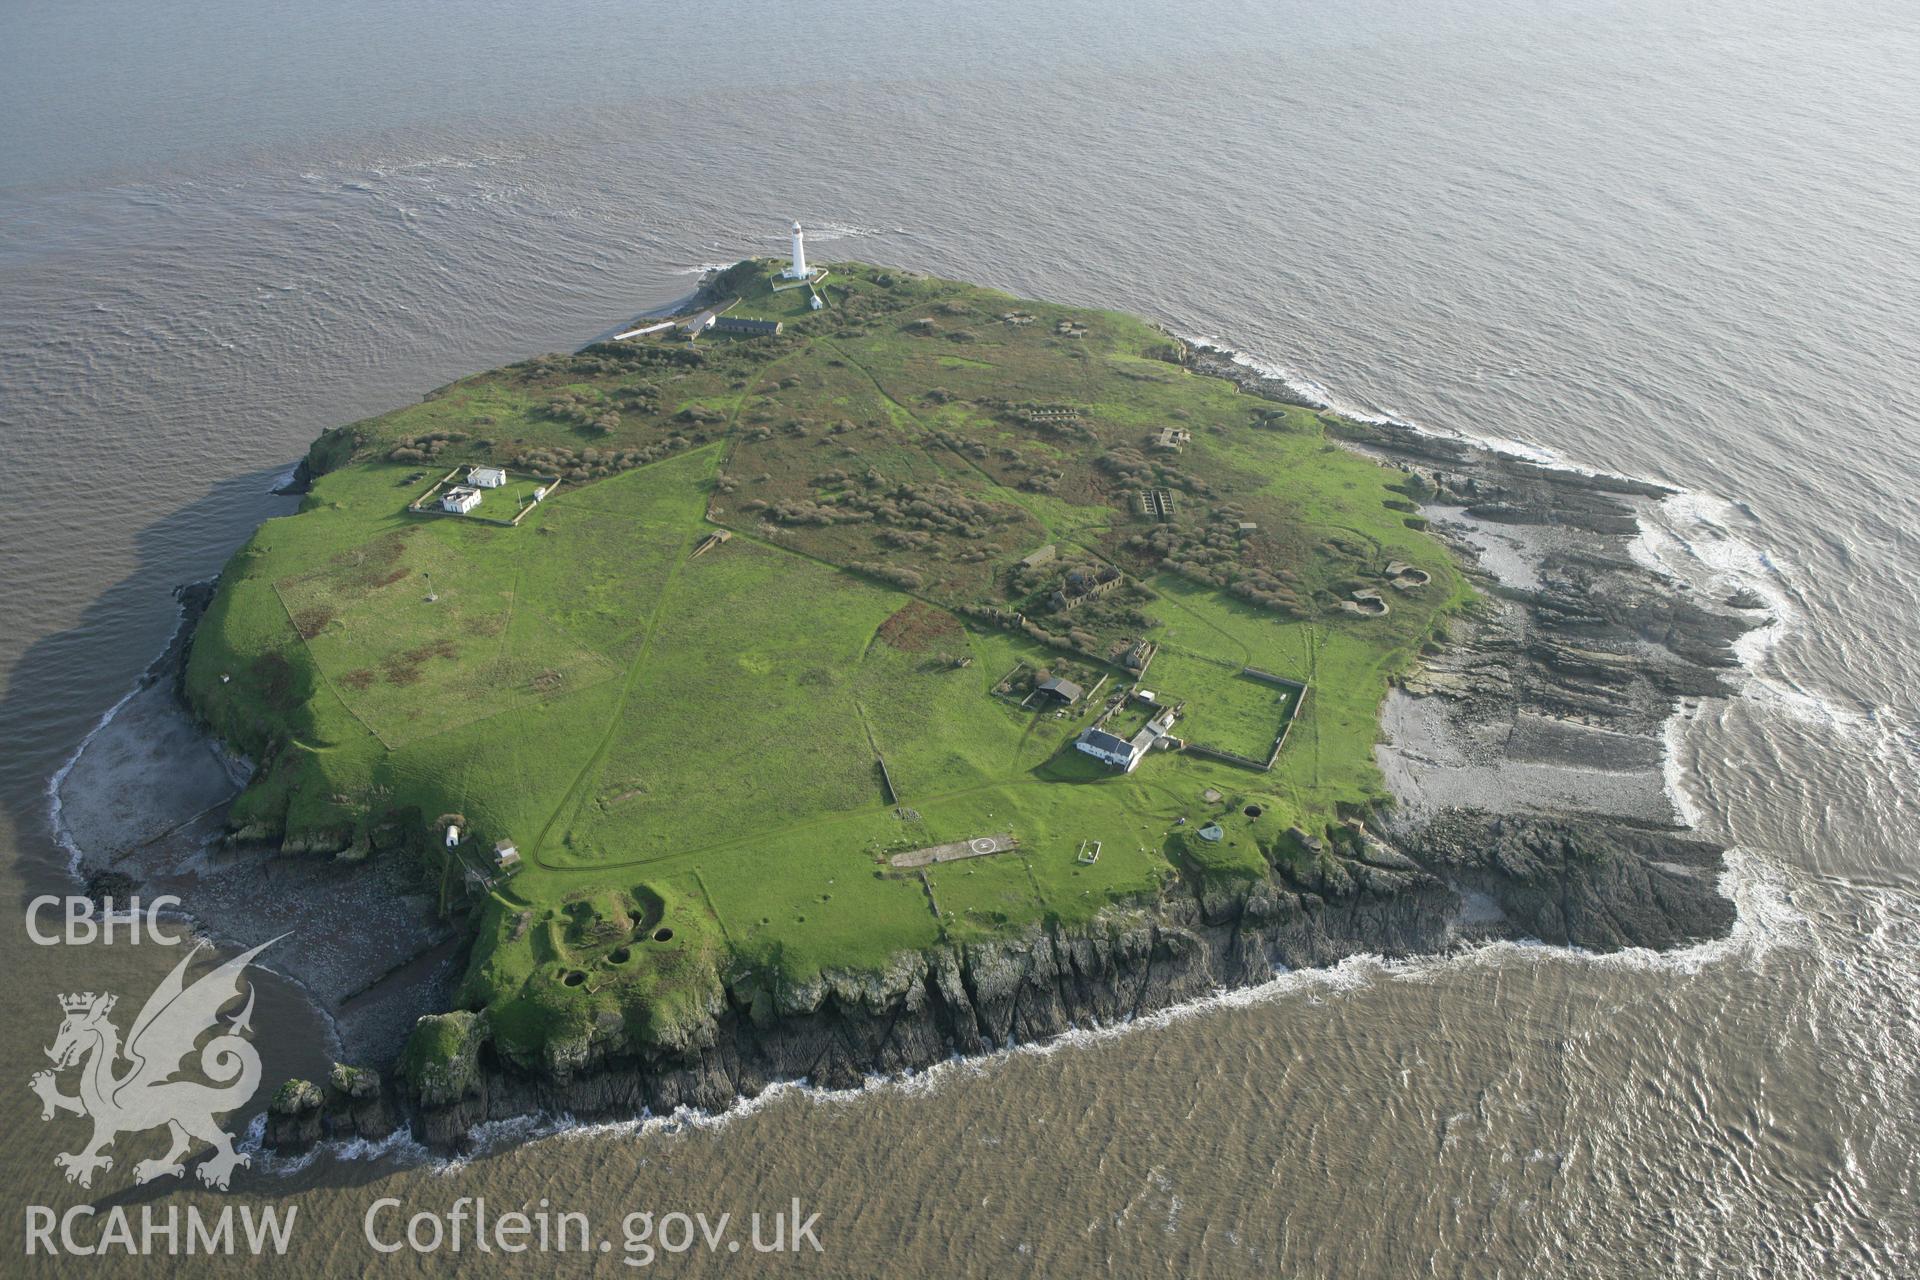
column 860, row 668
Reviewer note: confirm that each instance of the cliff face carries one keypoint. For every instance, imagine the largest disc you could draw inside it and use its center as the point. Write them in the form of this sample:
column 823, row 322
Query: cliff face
column 927, row 1007
column 1600, row 886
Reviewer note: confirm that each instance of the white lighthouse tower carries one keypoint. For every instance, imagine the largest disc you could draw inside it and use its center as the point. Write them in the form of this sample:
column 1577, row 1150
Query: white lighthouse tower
column 798, row 271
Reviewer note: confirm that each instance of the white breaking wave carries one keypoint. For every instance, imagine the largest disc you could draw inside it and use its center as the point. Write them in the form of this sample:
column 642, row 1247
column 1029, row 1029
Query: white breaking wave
column 61, row 834
column 398, row 1145
column 1811, row 707
column 1673, row 772
column 1766, row 920
column 1689, row 537
column 1311, row 389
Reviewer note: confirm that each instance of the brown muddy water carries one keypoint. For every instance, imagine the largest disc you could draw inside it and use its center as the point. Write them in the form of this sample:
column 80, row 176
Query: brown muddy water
column 1675, row 243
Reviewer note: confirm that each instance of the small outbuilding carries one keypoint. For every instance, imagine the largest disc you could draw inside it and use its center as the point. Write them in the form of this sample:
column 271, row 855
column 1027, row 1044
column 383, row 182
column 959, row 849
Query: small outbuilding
column 1038, row 556
column 1060, row 690
column 460, row 499
column 505, row 856
column 486, row 477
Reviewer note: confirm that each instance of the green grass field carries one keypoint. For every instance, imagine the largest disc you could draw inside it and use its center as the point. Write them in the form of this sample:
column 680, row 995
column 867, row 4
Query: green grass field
column 1224, row 709
column 693, row 743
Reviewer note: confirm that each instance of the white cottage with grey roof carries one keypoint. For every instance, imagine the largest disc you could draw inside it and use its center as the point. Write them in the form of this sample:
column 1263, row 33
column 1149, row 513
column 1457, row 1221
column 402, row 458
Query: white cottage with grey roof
column 1125, row 754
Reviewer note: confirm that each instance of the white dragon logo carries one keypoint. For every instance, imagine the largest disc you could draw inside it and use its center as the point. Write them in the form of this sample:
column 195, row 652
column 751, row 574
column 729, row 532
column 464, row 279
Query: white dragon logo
column 145, row 1096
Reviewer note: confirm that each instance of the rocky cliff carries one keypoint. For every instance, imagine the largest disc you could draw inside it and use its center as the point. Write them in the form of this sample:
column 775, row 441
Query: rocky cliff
column 1601, row 886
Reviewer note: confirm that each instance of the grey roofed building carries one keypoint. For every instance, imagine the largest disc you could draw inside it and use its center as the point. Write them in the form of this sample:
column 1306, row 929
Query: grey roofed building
column 1065, row 690
column 1118, row 751
column 740, row 324
column 1101, row 743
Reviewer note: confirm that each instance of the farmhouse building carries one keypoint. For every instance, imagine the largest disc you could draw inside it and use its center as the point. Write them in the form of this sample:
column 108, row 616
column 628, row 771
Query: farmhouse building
column 1125, row 754
column 1116, row 751
column 486, row 477
column 753, row 328
column 460, row 499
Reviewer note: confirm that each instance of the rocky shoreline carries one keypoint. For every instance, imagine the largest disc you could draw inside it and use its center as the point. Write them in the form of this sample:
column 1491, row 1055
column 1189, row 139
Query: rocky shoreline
column 1526, row 757
column 143, row 808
